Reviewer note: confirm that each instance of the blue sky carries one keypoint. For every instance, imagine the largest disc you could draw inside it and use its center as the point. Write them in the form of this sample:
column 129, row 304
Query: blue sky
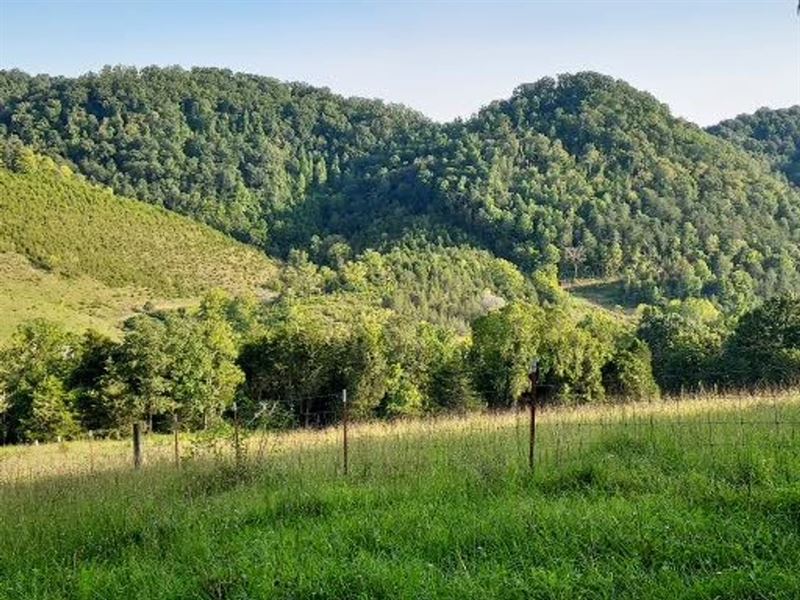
column 707, row 59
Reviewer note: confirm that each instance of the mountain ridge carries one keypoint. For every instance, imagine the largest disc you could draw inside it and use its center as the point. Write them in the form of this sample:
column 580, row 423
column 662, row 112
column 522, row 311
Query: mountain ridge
column 581, row 172
column 773, row 134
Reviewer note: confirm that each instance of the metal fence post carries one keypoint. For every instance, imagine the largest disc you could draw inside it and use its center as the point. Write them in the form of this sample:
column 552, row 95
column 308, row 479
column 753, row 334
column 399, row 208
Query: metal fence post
column 91, row 451
column 176, row 443
column 237, row 448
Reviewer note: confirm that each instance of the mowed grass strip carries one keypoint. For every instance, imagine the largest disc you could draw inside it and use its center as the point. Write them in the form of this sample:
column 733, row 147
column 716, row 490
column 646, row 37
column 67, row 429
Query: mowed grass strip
column 702, row 502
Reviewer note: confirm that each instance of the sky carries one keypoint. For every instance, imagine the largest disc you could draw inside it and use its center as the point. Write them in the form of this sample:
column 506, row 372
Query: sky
column 707, row 59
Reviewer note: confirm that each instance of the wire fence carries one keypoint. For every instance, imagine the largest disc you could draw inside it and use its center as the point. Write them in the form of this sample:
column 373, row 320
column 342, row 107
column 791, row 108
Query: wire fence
column 529, row 437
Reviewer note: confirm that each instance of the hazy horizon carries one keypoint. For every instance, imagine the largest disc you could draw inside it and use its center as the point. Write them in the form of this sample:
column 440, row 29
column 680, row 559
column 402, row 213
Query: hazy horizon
column 708, row 61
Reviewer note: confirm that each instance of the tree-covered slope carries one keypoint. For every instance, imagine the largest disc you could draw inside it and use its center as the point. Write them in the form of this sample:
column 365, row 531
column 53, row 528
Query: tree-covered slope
column 438, row 282
column 77, row 254
column 591, row 174
column 582, row 172
column 233, row 150
column 773, row 134
column 72, row 229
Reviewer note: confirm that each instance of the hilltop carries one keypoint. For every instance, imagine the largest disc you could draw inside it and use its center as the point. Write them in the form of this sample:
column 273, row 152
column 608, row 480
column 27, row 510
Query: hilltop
column 583, row 173
column 770, row 134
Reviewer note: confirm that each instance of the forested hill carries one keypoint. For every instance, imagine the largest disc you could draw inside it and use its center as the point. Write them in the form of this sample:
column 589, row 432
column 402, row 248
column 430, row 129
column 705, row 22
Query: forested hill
column 587, row 171
column 77, row 253
column 773, row 134
column 582, row 172
column 233, row 150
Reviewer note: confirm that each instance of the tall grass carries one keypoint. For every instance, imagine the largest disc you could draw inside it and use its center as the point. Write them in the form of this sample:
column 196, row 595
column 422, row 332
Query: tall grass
column 676, row 499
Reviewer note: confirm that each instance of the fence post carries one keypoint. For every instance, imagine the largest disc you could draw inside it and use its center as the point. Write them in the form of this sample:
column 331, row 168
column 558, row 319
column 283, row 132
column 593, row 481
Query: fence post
column 176, row 443
column 344, row 431
column 237, row 449
column 137, row 445
column 533, row 377
column 91, row 451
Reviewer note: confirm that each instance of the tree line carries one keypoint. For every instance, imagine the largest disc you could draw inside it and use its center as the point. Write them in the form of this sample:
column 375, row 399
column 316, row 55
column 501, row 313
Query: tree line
column 696, row 347
column 285, row 363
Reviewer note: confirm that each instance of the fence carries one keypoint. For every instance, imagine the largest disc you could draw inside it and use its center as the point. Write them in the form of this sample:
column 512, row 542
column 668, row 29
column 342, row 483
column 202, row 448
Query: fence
column 530, row 437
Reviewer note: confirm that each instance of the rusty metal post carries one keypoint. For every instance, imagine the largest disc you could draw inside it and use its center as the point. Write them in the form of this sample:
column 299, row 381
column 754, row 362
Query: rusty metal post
column 237, row 448
column 175, row 441
column 91, row 451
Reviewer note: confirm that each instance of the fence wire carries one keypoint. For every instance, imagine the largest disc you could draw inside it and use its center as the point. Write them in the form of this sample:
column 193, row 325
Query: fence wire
column 720, row 428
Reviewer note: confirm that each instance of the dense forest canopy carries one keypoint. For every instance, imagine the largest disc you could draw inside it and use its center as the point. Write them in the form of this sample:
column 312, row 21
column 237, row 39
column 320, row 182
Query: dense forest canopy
column 586, row 172
column 419, row 264
column 236, row 151
column 772, row 134
column 582, row 172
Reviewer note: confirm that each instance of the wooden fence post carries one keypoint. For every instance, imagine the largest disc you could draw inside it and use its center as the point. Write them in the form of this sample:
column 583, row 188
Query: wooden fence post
column 176, row 442
column 236, row 441
column 344, row 430
column 137, row 445
column 533, row 398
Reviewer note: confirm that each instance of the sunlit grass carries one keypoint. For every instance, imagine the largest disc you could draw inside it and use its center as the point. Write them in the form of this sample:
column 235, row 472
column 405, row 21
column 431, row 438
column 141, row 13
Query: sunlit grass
column 696, row 498
column 706, row 413
column 77, row 303
column 73, row 252
column 606, row 295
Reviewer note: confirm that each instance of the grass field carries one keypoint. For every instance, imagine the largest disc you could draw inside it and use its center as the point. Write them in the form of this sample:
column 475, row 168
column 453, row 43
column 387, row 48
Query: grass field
column 74, row 253
column 603, row 294
column 77, row 303
column 696, row 499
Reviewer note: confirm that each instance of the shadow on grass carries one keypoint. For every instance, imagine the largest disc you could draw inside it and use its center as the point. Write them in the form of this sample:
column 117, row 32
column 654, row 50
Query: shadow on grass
column 607, row 294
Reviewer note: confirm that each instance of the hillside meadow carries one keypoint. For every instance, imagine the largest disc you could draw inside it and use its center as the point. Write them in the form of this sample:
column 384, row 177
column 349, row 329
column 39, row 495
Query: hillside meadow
column 692, row 498
column 75, row 253
column 78, row 303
